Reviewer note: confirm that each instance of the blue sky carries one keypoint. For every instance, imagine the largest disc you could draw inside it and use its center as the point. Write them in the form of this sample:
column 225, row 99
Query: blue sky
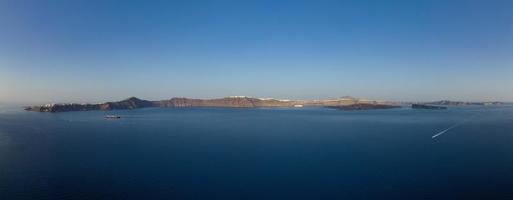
column 94, row 51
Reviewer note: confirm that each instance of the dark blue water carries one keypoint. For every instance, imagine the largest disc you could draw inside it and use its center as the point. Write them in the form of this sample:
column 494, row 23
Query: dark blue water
column 309, row 153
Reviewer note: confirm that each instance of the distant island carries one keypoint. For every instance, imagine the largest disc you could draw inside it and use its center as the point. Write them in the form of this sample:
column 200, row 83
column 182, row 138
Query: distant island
column 425, row 106
column 343, row 103
column 464, row 103
column 442, row 105
column 364, row 106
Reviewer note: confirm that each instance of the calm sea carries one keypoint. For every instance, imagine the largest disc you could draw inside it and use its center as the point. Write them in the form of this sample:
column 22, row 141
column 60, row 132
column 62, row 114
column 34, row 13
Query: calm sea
column 304, row 153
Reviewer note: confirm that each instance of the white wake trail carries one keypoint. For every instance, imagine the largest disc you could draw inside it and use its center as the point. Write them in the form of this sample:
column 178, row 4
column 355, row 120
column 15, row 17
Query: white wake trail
column 453, row 126
column 444, row 131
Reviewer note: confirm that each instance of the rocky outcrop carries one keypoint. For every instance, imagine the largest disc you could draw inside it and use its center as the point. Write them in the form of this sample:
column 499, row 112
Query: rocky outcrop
column 130, row 103
column 363, row 106
column 424, row 106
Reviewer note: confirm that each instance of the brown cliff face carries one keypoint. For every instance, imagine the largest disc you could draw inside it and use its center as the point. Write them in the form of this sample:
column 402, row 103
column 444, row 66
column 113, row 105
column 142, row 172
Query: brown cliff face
column 232, row 102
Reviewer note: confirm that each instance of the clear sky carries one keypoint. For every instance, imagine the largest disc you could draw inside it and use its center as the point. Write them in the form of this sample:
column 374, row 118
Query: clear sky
column 95, row 51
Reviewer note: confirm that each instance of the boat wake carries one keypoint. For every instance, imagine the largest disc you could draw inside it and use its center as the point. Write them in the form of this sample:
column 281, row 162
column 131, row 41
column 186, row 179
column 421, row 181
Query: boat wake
column 444, row 131
column 451, row 127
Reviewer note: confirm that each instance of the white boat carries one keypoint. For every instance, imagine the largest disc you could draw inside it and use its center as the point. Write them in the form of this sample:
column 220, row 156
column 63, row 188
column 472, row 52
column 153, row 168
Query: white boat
column 112, row 116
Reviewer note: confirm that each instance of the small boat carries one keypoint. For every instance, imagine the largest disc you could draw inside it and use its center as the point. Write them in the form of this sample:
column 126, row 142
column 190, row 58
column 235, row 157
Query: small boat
column 112, row 116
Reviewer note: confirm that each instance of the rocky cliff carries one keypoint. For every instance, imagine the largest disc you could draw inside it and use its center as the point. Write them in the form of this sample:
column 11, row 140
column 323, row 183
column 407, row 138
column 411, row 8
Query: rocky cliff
column 234, row 102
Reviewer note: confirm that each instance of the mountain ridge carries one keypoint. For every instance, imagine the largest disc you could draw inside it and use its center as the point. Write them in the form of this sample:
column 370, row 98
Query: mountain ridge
column 182, row 102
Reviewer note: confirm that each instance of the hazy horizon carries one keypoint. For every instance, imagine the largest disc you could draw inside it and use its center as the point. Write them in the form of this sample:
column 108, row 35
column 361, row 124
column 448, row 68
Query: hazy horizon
column 32, row 103
column 97, row 51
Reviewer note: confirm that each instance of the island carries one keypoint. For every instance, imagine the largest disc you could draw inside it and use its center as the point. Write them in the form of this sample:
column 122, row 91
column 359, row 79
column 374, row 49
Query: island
column 465, row 103
column 342, row 103
column 425, row 106
column 363, row 106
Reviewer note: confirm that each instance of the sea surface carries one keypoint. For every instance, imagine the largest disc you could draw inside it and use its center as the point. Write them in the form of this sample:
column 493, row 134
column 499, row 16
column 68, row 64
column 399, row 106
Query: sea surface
column 303, row 153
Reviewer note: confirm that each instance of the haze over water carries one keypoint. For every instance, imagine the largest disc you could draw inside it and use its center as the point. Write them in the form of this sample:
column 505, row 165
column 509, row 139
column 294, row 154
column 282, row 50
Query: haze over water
column 307, row 153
